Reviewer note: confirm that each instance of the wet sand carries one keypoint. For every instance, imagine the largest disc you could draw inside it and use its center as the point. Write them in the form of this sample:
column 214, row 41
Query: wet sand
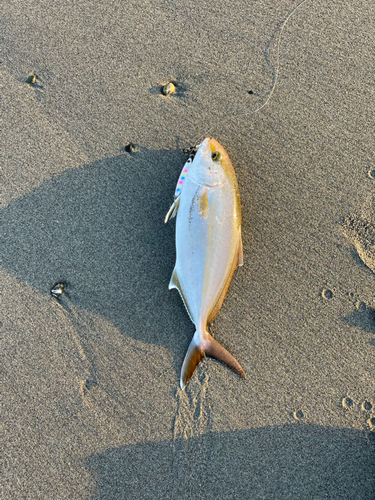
column 90, row 404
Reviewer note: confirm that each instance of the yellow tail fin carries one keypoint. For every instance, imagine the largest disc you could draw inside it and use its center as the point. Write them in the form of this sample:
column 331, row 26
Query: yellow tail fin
column 209, row 347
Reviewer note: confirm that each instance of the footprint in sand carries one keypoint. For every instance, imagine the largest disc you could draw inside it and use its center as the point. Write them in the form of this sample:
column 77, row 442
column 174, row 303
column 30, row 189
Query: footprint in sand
column 362, row 316
column 327, row 294
column 347, row 403
column 366, row 405
column 298, row 415
column 359, row 228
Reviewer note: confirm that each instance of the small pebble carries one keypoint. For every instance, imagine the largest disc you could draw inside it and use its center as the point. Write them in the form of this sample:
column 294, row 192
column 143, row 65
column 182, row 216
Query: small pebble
column 57, row 290
column 169, row 89
column 131, row 148
column 31, row 79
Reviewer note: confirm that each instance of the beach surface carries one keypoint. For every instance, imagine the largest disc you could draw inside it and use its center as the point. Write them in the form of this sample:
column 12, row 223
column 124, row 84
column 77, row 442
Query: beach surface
column 90, row 402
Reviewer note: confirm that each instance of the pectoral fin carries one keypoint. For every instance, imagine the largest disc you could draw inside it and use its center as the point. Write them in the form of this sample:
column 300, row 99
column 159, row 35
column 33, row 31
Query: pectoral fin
column 203, row 203
column 172, row 212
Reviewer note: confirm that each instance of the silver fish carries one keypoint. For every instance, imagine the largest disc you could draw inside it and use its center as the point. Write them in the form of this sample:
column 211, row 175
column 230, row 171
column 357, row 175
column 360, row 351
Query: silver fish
column 208, row 247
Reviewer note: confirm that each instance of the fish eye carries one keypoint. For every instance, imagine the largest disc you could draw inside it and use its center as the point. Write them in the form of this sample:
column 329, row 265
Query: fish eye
column 216, row 155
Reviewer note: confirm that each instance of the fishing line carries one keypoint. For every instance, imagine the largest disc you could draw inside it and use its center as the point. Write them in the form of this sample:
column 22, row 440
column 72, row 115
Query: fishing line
column 275, row 76
column 275, row 72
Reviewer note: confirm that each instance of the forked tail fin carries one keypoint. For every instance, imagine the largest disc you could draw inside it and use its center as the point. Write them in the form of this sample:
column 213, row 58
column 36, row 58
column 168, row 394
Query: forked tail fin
column 209, row 347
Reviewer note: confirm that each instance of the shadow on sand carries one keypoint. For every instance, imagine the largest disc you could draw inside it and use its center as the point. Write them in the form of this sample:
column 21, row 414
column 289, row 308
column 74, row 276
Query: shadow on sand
column 100, row 228
column 362, row 317
column 281, row 462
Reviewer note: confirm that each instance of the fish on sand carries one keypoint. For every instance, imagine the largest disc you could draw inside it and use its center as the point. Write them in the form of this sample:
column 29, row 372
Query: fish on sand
column 208, row 247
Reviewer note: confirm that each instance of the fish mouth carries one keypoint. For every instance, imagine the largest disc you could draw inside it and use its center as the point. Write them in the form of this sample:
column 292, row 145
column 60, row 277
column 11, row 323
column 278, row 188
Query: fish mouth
column 207, row 173
column 204, row 150
column 204, row 147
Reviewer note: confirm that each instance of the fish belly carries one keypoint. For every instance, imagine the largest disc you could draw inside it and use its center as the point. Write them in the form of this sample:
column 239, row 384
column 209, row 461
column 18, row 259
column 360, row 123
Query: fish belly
column 207, row 238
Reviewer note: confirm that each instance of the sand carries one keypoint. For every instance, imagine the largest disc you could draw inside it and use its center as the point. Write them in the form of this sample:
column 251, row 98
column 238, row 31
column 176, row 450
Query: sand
column 90, row 404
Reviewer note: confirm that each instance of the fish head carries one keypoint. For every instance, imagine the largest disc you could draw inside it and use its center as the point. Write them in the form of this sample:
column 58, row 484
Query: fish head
column 208, row 167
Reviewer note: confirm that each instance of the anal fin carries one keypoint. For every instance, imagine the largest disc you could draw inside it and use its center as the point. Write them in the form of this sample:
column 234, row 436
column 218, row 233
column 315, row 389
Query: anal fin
column 174, row 282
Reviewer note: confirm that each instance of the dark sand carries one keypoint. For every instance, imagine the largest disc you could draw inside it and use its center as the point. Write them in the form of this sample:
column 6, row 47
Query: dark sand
column 90, row 404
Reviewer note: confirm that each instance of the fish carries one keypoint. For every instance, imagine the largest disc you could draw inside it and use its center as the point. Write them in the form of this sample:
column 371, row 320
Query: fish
column 209, row 248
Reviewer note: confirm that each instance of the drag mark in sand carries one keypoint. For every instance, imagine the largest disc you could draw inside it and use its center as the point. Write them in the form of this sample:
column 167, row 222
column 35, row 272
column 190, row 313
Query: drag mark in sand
column 359, row 228
column 96, row 394
column 192, row 419
column 193, row 414
column 88, row 375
